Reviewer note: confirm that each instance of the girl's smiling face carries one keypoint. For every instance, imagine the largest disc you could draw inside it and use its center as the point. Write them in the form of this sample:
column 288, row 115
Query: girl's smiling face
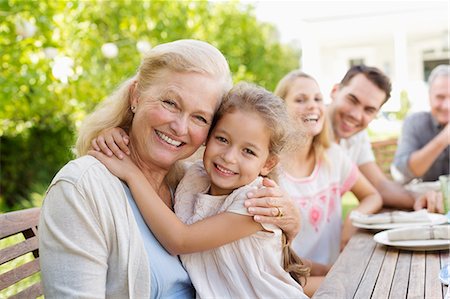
column 237, row 151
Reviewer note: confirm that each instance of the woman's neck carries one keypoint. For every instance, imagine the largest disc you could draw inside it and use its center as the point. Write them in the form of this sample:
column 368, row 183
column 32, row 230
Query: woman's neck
column 157, row 180
column 156, row 177
column 301, row 162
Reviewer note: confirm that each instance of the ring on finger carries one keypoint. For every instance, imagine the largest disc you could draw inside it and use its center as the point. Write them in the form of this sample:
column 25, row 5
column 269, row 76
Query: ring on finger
column 280, row 212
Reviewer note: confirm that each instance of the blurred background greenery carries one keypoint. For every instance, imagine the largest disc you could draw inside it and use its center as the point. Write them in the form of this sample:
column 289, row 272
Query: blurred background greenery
column 59, row 59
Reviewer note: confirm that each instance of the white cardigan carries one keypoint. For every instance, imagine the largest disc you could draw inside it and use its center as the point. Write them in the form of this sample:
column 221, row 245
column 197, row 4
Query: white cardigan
column 90, row 245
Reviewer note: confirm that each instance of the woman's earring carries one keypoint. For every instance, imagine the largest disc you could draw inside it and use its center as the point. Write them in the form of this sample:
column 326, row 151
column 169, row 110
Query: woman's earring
column 133, row 109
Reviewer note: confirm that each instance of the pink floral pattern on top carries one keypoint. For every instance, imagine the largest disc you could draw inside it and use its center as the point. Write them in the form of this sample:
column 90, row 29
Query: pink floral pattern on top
column 315, row 215
column 317, row 205
column 319, row 200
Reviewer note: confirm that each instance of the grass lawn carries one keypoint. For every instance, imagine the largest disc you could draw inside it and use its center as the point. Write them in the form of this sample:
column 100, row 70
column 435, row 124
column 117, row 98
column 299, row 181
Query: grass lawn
column 349, row 202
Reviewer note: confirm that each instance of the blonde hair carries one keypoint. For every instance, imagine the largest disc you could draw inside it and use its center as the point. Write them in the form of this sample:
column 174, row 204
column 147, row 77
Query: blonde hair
column 178, row 56
column 247, row 97
column 321, row 141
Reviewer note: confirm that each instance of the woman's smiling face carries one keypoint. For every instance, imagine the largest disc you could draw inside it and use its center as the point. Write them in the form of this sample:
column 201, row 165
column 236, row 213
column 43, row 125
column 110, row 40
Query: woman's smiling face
column 173, row 117
column 304, row 102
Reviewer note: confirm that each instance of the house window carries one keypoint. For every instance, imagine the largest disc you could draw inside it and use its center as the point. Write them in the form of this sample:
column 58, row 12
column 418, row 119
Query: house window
column 429, row 65
column 355, row 61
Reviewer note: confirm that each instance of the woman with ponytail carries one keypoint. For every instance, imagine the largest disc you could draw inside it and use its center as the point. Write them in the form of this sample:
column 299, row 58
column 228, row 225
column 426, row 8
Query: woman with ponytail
column 315, row 172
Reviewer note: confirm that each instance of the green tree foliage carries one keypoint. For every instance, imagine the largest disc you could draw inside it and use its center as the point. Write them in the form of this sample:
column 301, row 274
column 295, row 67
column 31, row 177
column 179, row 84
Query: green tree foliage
column 41, row 105
column 405, row 105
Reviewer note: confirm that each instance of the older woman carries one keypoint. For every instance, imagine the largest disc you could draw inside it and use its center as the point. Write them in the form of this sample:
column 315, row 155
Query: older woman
column 93, row 240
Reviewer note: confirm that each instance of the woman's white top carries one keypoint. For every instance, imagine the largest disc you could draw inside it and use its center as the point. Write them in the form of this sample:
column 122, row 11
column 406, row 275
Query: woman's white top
column 318, row 197
column 247, row 268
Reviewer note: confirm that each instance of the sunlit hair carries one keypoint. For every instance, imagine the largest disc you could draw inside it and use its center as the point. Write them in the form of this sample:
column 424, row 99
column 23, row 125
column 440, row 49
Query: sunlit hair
column 373, row 74
column 179, row 56
column 248, row 98
column 442, row 70
column 321, row 141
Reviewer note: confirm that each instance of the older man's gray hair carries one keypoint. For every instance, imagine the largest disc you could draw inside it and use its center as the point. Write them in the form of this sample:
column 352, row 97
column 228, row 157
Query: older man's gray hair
column 442, row 70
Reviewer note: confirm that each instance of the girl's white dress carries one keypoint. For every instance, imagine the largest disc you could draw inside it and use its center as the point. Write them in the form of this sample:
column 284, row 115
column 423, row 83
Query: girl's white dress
column 247, row 268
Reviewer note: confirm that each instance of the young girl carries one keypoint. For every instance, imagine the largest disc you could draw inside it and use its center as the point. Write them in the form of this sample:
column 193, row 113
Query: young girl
column 315, row 174
column 225, row 252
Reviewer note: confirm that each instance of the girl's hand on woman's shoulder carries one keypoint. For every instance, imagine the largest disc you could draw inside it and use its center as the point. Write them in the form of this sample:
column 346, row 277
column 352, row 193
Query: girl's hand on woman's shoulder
column 124, row 169
column 112, row 141
column 271, row 205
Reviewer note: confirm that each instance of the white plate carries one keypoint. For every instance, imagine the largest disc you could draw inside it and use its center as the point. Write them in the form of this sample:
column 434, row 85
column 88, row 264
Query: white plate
column 435, row 219
column 416, row 245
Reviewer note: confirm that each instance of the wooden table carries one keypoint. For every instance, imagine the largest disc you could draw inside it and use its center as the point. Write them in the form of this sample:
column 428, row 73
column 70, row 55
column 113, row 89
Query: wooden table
column 366, row 269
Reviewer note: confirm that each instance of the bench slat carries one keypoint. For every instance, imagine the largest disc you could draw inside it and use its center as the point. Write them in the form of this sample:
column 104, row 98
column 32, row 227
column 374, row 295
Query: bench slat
column 12, row 225
column 16, row 250
column 18, row 221
column 17, row 274
column 32, row 291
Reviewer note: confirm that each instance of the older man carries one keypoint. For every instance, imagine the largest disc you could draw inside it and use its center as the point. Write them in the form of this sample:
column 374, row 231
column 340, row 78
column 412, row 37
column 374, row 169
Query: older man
column 423, row 150
column 356, row 101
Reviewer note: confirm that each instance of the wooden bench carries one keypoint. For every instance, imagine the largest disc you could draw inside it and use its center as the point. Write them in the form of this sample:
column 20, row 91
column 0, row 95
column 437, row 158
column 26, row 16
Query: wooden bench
column 20, row 252
column 384, row 152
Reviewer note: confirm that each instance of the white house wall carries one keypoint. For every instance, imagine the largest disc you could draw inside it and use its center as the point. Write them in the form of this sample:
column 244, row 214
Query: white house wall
column 396, row 39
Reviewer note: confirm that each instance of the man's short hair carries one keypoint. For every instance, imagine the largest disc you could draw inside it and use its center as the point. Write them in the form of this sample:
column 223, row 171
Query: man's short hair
column 373, row 74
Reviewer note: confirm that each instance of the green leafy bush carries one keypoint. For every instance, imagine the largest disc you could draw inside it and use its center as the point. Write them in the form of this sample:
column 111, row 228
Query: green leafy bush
column 53, row 71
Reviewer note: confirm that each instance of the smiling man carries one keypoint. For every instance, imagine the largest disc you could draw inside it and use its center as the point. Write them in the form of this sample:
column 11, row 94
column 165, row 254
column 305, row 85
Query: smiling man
column 356, row 101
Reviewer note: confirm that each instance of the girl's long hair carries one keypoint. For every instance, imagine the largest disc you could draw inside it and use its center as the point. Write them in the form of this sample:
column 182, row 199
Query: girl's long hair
column 293, row 264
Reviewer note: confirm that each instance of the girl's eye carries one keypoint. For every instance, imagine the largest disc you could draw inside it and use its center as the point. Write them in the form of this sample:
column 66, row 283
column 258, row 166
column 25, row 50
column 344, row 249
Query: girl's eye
column 221, row 139
column 249, row 152
column 299, row 100
column 318, row 99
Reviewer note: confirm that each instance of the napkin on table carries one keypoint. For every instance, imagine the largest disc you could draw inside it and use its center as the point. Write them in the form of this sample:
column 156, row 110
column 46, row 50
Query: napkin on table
column 423, row 187
column 420, row 233
column 390, row 217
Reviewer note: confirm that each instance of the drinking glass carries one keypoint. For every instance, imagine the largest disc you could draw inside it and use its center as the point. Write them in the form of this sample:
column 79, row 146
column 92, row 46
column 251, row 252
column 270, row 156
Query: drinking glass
column 445, row 186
